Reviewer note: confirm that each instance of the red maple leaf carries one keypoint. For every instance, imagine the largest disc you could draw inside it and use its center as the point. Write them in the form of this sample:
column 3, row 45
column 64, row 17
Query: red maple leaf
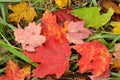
column 53, row 57
column 14, row 73
column 50, row 26
column 63, row 15
column 94, row 57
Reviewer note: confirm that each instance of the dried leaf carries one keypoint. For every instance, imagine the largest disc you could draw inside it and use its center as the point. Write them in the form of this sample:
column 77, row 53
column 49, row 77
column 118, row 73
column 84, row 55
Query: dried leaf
column 63, row 3
column 22, row 11
column 116, row 54
column 29, row 37
column 116, row 64
column 14, row 73
column 106, row 4
column 76, row 32
column 94, row 54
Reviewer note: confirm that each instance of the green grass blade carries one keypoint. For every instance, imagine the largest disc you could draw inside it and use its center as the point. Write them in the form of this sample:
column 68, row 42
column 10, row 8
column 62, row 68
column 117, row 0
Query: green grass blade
column 3, row 22
column 4, row 10
column 16, row 52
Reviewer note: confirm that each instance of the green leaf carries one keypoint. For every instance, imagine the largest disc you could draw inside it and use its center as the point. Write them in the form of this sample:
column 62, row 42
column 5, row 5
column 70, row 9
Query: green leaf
column 92, row 16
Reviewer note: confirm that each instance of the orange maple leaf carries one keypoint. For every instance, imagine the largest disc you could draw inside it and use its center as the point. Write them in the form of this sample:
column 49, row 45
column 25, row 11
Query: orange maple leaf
column 14, row 73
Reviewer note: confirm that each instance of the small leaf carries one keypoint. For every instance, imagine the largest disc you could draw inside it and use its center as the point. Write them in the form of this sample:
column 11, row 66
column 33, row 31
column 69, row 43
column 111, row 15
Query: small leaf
column 116, row 64
column 116, row 26
column 92, row 16
column 22, row 11
column 76, row 32
column 63, row 3
column 30, row 36
column 14, row 73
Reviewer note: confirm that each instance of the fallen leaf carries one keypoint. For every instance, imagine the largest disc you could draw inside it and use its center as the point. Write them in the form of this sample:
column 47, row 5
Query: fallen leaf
column 50, row 27
column 14, row 73
column 92, row 16
column 63, row 3
column 116, row 26
column 106, row 4
column 29, row 37
column 53, row 57
column 22, row 11
column 63, row 15
column 93, row 55
column 105, row 75
column 116, row 64
column 76, row 32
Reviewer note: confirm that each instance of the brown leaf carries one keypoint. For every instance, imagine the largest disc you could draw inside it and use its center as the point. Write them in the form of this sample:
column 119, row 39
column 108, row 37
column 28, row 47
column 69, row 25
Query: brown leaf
column 116, row 64
column 106, row 4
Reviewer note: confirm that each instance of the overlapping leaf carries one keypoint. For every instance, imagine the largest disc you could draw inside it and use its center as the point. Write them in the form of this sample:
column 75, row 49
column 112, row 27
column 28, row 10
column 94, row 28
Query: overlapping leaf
column 53, row 56
column 95, row 57
column 30, row 36
column 14, row 73
column 63, row 15
column 22, row 11
column 50, row 26
column 92, row 16
column 76, row 32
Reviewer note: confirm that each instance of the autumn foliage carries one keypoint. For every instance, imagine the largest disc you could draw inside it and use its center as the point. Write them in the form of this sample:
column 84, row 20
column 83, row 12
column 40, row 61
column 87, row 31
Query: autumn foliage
column 51, row 42
column 14, row 73
column 54, row 53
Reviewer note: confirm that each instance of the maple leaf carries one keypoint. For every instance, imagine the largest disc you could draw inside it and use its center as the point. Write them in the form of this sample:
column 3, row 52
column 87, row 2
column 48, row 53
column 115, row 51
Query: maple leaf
column 95, row 57
column 50, row 27
column 30, row 36
column 22, row 11
column 63, row 15
column 92, row 16
column 63, row 3
column 14, row 73
column 116, row 26
column 105, row 75
column 53, row 55
column 77, row 32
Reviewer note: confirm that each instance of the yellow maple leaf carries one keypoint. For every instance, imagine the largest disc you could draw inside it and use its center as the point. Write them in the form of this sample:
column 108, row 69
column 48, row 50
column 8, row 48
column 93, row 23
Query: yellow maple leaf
column 22, row 11
column 116, row 26
column 63, row 3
